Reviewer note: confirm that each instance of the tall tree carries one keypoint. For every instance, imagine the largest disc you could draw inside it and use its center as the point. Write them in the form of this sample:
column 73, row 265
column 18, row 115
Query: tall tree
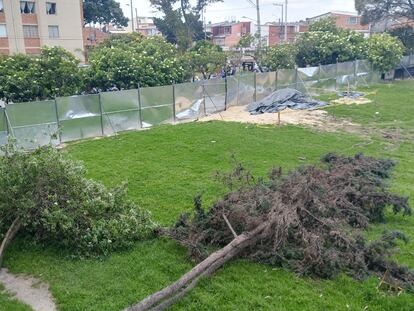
column 181, row 23
column 103, row 12
column 376, row 10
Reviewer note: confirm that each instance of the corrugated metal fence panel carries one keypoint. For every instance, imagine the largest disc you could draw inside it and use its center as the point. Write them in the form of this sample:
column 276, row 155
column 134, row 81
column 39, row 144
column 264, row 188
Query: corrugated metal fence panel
column 156, row 105
column 79, row 117
column 33, row 124
column 120, row 111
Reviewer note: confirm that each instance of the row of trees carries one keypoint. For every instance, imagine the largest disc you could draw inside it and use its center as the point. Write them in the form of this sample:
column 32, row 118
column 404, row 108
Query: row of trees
column 126, row 61
column 325, row 43
column 121, row 62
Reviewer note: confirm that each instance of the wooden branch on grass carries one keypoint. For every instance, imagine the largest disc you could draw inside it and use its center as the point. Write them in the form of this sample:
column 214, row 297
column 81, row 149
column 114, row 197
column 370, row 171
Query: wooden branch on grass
column 10, row 234
column 169, row 295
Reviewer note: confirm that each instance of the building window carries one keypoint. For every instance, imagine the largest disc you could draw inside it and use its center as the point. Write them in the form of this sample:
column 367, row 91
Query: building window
column 50, row 8
column 3, row 31
column 353, row 20
column 53, row 32
column 1, row 6
column 27, row 7
column 30, row 31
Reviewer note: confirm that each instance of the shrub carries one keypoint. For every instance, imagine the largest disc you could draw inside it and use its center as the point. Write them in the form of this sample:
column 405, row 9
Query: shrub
column 54, row 73
column 323, row 47
column 129, row 60
column 384, row 51
column 280, row 57
column 206, row 58
column 56, row 204
column 406, row 35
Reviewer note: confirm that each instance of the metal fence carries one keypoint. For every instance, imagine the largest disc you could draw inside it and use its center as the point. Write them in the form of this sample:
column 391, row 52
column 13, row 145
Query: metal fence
column 66, row 119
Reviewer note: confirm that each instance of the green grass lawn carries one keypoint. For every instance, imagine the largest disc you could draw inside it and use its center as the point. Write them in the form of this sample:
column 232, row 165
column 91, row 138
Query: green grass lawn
column 167, row 166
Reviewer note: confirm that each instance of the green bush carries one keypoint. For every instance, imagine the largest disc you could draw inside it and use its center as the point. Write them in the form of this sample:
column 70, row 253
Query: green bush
column 128, row 60
column 280, row 57
column 205, row 58
column 54, row 73
column 320, row 47
column 325, row 44
column 58, row 205
column 384, row 51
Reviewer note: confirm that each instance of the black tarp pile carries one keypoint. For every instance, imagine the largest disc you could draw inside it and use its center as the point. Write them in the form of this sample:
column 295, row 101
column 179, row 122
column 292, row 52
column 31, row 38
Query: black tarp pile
column 282, row 99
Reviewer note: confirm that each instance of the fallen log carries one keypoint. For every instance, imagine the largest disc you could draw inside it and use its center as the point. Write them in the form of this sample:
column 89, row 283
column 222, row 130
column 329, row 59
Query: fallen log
column 10, row 234
column 170, row 294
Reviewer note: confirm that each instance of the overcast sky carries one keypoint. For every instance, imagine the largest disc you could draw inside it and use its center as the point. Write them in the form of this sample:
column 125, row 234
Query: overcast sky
column 236, row 9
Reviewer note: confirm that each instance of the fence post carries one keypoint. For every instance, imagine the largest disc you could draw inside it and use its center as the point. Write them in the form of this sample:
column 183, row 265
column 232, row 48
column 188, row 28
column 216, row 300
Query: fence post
column 9, row 126
column 238, row 87
column 174, row 116
column 58, row 121
column 296, row 77
column 204, row 99
column 139, row 107
column 276, row 78
column 336, row 75
column 101, row 110
column 5, row 120
column 319, row 73
column 255, row 87
column 355, row 73
column 225, row 91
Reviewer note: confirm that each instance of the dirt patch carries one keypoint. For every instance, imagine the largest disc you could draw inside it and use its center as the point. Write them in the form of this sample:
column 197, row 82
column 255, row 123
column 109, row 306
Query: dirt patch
column 319, row 119
column 352, row 101
column 28, row 290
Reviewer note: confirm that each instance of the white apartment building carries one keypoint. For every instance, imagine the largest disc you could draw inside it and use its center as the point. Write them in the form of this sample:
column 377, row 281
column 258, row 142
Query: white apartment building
column 27, row 25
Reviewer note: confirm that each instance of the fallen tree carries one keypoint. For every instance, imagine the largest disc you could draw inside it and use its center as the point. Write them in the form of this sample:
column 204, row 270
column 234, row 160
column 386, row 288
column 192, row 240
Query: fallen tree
column 47, row 196
column 309, row 221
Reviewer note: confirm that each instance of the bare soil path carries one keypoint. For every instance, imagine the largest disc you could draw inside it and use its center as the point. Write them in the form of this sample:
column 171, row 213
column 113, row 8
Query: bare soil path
column 28, row 290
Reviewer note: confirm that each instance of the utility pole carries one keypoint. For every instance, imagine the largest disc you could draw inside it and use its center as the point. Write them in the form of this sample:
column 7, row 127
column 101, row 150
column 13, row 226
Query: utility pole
column 259, row 29
column 286, row 21
column 136, row 15
column 132, row 16
column 203, row 18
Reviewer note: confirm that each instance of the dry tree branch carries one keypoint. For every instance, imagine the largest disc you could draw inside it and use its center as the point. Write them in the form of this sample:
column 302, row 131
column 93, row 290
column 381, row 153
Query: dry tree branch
column 11, row 233
column 165, row 297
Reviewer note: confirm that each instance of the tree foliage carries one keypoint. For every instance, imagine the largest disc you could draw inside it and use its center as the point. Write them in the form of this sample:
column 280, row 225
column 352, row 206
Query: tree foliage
column 206, row 58
column 125, row 61
column 406, row 35
column 376, row 10
column 282, row 56
column 54, row 73
column 327, row 24
column 56, row 204
column 384, row 51
column 245, row 41
column 103, row 12
column 181, row 23
column 323, row 47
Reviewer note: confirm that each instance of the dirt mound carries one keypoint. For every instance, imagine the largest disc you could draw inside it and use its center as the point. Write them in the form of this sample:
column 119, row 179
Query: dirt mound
column 318, row 119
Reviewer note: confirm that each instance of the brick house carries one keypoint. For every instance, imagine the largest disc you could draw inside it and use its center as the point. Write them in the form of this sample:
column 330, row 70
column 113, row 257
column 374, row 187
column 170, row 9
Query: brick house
column 228, row 34
column 345, row 20
column 277, row 32
column 93, row 36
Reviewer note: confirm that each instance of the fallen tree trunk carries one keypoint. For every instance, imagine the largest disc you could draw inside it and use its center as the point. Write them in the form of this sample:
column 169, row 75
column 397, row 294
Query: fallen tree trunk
column 170, row 294
column 11, row 233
